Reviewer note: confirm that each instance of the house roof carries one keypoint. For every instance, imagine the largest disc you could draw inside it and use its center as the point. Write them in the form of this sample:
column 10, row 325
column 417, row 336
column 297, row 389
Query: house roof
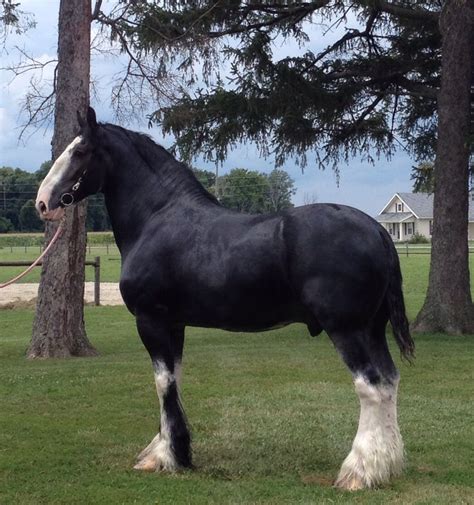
column 393, row 217
column 421, row 205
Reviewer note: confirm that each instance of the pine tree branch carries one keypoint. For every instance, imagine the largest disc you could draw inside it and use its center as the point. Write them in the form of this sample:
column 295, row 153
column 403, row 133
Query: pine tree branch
column 404, row 12
column 414, row 88
column 352, row 34
column 417, row 88
column 285, row 13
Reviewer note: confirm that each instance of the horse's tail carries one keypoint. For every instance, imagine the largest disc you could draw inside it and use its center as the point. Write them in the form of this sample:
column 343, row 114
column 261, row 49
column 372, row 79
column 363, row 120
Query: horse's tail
column 396, row 303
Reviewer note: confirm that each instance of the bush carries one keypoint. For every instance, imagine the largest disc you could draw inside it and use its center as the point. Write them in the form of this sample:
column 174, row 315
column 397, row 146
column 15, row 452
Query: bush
column 419, row 239
column 5, row 225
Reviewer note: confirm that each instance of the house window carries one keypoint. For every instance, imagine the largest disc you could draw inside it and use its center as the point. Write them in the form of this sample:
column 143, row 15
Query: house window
column 399, row 207
column 409, row 228
column 391, row 229
column 431, row 227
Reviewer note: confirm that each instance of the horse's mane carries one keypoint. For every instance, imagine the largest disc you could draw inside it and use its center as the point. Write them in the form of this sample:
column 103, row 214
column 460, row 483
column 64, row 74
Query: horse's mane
column 157, row 159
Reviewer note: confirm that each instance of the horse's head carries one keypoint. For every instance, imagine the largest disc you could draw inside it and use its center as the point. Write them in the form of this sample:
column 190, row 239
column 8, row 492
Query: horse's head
column 78, row 172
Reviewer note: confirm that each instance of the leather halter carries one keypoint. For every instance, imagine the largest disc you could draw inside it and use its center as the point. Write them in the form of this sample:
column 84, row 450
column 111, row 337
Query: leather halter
column 67, row 199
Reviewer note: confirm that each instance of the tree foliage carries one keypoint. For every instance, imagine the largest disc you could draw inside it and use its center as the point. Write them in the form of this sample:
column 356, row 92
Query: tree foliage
column 280, row 190
column 422, row 176
column 249, row 190
column 12, row 18
column 29, row 220
column 243, row 190
column 206, row 178
column 16, row 188
column 374, row 88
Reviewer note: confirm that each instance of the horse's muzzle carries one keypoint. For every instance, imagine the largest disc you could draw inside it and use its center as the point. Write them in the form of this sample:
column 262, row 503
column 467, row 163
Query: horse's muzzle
column 49, row 215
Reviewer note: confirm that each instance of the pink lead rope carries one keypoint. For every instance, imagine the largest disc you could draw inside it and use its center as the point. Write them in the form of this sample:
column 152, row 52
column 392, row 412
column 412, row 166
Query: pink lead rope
column 37, row 260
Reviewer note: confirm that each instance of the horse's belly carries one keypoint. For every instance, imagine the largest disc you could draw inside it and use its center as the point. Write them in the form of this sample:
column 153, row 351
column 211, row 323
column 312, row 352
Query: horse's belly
column 245, row 313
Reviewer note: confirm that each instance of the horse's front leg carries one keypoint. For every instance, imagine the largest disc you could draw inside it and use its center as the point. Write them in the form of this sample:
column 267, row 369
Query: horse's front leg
column 170, row 450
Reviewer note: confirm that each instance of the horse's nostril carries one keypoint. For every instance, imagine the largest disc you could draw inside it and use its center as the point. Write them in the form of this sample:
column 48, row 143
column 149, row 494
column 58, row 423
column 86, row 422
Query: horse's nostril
column 42, row 207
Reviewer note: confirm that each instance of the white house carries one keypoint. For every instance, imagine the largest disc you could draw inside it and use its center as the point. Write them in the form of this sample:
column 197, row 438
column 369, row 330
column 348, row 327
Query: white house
column 408, row 213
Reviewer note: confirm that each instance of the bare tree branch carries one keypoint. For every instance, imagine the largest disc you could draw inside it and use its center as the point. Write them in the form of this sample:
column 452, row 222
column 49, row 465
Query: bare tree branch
column 96, row 11
column 38, row 103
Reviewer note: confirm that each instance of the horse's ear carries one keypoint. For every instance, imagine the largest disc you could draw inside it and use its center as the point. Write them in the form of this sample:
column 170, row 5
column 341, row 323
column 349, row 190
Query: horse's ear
column 80, row 120
column 91, row 119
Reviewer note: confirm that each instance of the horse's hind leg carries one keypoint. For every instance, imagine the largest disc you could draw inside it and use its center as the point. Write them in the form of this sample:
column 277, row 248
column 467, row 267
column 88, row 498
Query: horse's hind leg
column 377, row 450
column 171, row 448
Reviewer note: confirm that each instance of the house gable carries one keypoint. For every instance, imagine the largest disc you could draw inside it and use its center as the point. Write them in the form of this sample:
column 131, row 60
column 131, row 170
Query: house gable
column 397, row 204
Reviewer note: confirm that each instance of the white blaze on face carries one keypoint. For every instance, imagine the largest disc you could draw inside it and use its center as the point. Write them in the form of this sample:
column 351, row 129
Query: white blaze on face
column 55, row 175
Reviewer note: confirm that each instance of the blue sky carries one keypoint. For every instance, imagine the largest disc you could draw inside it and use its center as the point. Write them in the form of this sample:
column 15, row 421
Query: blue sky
column 361, row 184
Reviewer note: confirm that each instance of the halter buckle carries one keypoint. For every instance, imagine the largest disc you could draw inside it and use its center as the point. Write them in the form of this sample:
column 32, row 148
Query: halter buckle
column 67, row 199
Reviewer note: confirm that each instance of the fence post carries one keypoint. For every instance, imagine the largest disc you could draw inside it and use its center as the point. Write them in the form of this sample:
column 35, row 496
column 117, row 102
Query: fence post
column 97, row 281
column 407, row 248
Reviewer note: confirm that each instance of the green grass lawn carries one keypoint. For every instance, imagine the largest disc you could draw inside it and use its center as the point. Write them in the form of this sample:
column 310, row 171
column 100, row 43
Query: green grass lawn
column 273, row 416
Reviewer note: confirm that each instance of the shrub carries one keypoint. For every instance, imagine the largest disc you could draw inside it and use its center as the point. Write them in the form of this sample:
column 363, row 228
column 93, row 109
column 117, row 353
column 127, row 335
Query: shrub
column 5, row 225
column 419, row 239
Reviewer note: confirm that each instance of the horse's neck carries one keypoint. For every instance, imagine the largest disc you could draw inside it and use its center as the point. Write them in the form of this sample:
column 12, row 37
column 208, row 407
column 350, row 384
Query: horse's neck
column 134, row 193
column 130, row 205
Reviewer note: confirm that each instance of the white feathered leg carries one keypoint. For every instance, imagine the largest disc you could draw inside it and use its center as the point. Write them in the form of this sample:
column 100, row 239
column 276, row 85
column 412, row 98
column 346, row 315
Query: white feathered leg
column 377, row 451
column 158, row 455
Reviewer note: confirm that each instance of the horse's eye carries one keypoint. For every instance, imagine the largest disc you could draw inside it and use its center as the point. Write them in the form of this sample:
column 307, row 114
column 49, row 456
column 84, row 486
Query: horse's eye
column 78, row 153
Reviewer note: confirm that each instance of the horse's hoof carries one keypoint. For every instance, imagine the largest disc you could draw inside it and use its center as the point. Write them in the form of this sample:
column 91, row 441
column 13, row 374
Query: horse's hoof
column 146, row 465
column 351, row 482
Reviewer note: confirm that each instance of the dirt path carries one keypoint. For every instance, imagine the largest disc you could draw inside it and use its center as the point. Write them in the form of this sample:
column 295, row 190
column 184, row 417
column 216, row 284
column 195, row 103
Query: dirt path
column 23, row 293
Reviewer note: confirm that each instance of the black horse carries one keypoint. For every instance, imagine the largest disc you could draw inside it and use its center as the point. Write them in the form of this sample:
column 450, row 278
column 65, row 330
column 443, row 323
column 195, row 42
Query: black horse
column 186, row 260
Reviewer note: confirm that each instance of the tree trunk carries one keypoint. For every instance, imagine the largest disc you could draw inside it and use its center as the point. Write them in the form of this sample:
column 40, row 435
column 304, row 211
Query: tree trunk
column 58, row 329
column 448, row 305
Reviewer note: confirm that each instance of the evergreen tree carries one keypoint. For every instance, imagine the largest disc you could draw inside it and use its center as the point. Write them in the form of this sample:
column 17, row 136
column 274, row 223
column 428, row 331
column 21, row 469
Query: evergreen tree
column 422, row 177
column 374, row 86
